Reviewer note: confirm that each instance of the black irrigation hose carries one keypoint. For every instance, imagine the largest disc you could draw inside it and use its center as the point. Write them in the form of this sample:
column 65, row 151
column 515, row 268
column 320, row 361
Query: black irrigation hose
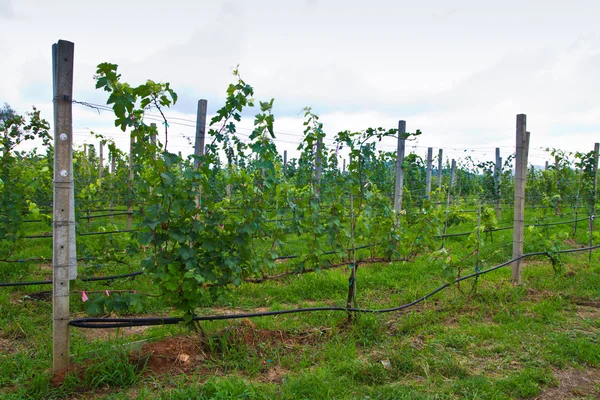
column 511, row 227
column 101, row 323
column 42, row 259
column 105, row 215
column 107, row 278
column 99, row 278
column 81, row 234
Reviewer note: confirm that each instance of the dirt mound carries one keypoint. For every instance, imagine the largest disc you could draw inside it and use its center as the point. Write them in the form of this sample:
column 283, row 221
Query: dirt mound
column 176, row 354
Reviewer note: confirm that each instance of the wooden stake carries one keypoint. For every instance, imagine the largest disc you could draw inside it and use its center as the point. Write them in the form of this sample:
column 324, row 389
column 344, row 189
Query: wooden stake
column 440, row 165
column 497, row 176
column 284, row 162
column 113, row 167
column 519, row 213
column 318, row 165
column 130, row 183
column 453, row 174
column 200, row 149
column 596, row 151
column 399, row 169
column 100, row 163
column 63, row 244
column 428, row 173
column 200, row 130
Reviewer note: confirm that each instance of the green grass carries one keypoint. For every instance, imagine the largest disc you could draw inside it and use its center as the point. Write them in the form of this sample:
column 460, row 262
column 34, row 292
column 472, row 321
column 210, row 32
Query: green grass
column 497, row 341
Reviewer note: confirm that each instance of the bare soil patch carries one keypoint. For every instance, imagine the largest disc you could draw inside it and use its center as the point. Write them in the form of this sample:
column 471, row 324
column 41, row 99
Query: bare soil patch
column 574, row 384
column 177, row 354
column 112, row 333
column 7, row 346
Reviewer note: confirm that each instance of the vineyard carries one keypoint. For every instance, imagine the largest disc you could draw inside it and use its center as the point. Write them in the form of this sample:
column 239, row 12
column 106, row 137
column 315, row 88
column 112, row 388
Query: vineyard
column 236, row 272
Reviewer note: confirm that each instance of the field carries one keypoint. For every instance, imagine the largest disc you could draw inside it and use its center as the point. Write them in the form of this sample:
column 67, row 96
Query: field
column 234, row 272
column 494, row 341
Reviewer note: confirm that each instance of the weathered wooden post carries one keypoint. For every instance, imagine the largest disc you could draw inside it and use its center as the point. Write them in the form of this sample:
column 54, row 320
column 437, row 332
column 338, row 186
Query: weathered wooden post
column 64, row 261
column 428, row 173
column 522, row 144
column 399, row 169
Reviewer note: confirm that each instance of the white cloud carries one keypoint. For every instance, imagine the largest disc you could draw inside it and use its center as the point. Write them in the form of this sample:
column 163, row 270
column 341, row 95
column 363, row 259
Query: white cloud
column 459, row 72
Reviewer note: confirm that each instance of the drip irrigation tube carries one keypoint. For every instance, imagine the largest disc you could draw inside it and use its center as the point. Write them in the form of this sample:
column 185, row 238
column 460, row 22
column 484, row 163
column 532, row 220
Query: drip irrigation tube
column 100, row 323
column 99, row 278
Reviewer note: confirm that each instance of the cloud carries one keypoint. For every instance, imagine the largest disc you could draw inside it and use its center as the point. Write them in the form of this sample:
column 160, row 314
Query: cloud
column 7, row 11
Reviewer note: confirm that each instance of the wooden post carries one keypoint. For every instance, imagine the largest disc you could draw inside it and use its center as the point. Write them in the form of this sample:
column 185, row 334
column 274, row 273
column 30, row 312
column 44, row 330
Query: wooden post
column 100, row 162
column 448, row 199
column 113, row 168
column 284, row 162
column 596, row 151
column 497, row 176
column 591, row 230
column 153, row 141
column 200, row 130
column 130, row 183
column 399, row 169
column 64, row 265
column 440, row 165
column 557, row 167
column 86, row 162
column 318, row 165
column 428, row 174
column 343, row 166
column 519, row 213
column 546, row 167
column 452, row 174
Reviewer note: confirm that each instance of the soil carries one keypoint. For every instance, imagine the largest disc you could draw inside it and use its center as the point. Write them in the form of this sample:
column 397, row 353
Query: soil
column 7, row 346
column 574, row 384
column 109, row 334
column 177, row 354
column 184, row 354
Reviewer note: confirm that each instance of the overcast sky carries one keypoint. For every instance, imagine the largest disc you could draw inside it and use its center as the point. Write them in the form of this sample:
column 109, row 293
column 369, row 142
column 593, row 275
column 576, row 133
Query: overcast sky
column 459, row 71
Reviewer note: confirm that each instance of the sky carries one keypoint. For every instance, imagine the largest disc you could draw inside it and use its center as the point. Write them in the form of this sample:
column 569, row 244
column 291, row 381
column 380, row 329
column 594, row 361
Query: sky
column 459, row 71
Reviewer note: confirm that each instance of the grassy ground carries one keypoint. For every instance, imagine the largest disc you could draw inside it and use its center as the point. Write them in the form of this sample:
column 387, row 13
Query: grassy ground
column 539, row 340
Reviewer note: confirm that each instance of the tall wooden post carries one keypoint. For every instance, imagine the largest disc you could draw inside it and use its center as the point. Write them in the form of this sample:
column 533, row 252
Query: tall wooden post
column 428, row 173
column 452, row 174
column 522, row 144
column 130, row 183
column 449, row 199
column 399, row 169
column 113, row 175
column 153, row 141
column 343, row 166
column 100, row 163
column 497, row 177
column 440, row 165
column 200, row 130
column 318, row 165
column 64, row 265
column 200, row 148
column 284, row 162
column 596, row 151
